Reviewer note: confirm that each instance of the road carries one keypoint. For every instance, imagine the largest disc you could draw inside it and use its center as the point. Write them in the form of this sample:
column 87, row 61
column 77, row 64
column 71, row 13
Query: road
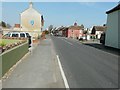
column 85, row 66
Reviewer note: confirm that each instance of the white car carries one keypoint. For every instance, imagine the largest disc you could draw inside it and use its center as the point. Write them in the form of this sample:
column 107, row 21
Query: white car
column 82, row 38
column 17, row 34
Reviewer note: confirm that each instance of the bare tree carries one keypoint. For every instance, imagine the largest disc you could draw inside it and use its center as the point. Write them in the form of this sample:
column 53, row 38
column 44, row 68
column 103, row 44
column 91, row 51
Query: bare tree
column 50, row 28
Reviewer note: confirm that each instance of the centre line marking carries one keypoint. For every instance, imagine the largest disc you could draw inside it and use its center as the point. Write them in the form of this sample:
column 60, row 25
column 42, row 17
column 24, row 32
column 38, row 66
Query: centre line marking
column 62, row 73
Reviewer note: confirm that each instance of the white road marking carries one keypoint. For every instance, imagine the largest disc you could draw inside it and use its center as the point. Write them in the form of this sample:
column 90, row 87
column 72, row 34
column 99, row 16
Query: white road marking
column 62, row 73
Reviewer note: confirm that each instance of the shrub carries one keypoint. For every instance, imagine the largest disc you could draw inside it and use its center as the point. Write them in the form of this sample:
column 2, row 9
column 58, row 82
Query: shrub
column 2, row 44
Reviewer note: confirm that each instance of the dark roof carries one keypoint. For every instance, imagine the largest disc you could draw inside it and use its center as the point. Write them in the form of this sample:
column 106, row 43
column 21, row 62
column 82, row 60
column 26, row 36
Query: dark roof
column 114, row 9
column 75, row 27
column 100, row 28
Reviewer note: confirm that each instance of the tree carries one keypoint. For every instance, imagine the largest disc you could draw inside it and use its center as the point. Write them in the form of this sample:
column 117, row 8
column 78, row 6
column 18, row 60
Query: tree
column 82, row 26
column 3, row 24
column 8, row 26
column 85, row 32
column 46, row 32
column 50, row 28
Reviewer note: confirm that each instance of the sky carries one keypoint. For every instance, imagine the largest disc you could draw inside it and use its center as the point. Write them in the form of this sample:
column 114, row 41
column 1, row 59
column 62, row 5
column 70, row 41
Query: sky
column 60, row 13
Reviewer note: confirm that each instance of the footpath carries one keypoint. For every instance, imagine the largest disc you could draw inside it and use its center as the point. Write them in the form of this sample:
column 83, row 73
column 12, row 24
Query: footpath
column 39, row 69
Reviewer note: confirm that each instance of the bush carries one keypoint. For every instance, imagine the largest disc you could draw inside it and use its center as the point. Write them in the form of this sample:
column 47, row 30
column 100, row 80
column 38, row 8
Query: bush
column 2, row 44
column 93, row 37
column 46, row 32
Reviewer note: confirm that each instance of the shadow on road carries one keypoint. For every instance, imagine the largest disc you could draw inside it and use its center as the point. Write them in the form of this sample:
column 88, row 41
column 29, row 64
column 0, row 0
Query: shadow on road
column 104, row 48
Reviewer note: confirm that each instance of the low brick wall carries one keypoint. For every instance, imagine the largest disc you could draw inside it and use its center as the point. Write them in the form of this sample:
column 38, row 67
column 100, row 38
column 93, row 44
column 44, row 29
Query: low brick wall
column 11, row 57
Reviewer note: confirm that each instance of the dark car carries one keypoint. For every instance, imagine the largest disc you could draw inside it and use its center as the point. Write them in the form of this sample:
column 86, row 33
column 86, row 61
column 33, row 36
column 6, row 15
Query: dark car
column 102, row 39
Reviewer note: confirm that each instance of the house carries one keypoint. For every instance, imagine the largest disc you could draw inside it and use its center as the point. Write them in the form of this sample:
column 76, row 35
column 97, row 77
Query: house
column 97, row 31
column 16, row 27
column 65, row 32
column 113, row 27
column 60, row 31
column 32, row 21
column 75, row 31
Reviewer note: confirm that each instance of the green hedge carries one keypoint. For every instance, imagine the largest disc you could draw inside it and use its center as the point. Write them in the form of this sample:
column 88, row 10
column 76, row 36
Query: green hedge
column 11, row 57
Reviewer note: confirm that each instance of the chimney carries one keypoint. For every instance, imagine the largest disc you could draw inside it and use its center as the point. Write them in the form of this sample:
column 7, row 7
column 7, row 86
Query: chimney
column 75, row 24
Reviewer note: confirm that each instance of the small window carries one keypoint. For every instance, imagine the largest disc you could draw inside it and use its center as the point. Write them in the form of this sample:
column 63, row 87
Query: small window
column 14, row 35
column 27, row 34
column 8, row 35
column 22, row 35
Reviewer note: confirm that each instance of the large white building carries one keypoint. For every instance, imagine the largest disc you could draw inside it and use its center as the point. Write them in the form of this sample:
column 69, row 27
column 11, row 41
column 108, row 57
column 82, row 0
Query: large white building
column 31, row 21
column 113, row 28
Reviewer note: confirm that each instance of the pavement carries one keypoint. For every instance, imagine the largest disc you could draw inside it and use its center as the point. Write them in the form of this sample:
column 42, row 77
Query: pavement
column 86, row 66
column 39, row 69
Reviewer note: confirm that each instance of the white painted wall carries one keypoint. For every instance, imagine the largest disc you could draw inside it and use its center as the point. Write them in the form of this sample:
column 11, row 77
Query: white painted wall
column 99, row 34
column 28, row 16
column 112, row 29
column 88, row 37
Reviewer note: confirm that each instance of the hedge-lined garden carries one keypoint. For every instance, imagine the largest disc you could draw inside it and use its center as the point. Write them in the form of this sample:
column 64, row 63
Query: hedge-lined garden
column 12, row 50
column 8, row 43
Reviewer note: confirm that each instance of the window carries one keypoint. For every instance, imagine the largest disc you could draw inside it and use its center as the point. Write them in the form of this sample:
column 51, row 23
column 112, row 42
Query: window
column 22, row 35
column 27, row 34
column 14, row 35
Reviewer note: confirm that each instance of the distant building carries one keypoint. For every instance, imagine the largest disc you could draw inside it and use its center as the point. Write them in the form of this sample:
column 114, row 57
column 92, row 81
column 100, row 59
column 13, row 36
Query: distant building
column 32, row 21
column 113, row 28
column 75, row 31
column 65, row 31
column 17, row 27
column 98, row 30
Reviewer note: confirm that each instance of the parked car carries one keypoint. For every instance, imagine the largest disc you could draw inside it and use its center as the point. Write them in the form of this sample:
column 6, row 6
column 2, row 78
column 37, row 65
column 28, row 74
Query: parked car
column 102, row 39
column 82, row 38
column 19, row 34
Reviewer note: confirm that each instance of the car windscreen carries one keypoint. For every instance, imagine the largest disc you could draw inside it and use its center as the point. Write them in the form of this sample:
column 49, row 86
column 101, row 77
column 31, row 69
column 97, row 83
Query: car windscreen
column 27, row 34
column 7, row 35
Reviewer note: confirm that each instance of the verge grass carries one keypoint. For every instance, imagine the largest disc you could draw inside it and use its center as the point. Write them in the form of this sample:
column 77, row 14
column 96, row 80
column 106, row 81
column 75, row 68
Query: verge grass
column 7, row 41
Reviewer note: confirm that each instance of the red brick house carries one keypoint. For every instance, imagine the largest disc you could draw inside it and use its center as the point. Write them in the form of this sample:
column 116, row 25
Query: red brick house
column 75, row 31
column 17, row 26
